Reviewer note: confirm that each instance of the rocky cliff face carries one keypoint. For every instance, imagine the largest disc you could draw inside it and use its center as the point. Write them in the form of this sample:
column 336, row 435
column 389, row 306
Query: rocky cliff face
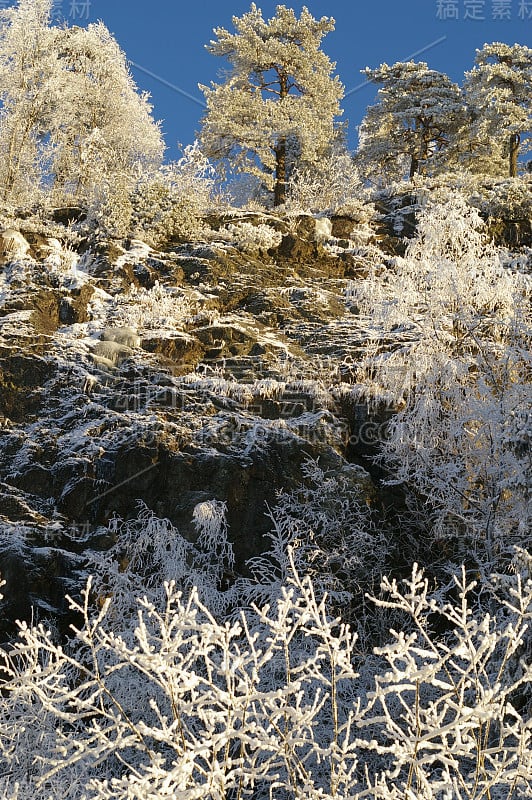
column 199, row 373
column 210, row 371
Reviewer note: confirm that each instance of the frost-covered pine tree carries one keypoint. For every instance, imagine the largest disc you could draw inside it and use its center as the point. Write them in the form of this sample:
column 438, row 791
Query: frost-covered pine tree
column 278, row 103
column 416, row 119
column 499, row 92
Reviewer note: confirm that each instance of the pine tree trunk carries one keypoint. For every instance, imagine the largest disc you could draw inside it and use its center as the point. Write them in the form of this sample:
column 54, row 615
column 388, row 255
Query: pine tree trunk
column 515, row 141
column 279, row 196
column 280, row 174
column 414, row 166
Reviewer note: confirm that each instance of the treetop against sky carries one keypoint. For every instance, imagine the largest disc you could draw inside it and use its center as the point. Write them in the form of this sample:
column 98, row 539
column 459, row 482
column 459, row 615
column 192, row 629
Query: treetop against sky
column 165, row 42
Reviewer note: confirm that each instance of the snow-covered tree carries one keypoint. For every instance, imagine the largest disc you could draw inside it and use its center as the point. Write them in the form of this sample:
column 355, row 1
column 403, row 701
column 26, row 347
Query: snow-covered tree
column 460, row 373
column 499, row 94
column 417, row 116
column 71, row 120
column 103, row 135
column 279, row 101
column 28, row 96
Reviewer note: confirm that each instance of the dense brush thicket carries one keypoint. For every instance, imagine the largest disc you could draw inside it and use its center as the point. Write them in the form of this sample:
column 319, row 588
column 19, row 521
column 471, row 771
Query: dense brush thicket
column 160, row 697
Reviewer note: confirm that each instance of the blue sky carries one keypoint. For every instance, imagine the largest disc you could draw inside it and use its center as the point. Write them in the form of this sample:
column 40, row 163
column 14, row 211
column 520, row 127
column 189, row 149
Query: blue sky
column 167, row 39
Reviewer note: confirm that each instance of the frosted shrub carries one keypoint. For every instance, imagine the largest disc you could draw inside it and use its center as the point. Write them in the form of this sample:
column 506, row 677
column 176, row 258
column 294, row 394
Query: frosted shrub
column 459, row 370
column 510, row 199
column 252, row 712
column 450, row 716
column 158, row 307
column 110, row 210
column 333, row 185
column 270, row 705
column 253, row 239
column 209, row 519
column 247, row 192
column 149, row 550
column 449, row 276
column 326, row 528
column 169, row 204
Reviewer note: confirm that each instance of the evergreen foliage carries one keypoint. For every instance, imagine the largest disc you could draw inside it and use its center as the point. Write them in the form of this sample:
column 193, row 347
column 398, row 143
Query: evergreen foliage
column 498, row 91
column 412, row 126
column 278, row 104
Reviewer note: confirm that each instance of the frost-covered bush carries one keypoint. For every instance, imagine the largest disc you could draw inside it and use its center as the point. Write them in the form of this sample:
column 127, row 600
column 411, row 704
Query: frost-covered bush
column 169, row 205
column 157, row 307
column 449, row 715
column 157, row 206
column 252, row 239
column 450, row 325
column 110, row 211
column 227, row 708
column 510, row 199
column 148, row 551
column 332, row 185
column 271, row 705
column 325, row 527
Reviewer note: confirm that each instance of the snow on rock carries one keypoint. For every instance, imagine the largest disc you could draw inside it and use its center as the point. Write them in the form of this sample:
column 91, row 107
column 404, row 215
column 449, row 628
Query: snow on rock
column 211, row 379
column 13, row 245
column 323, row 229
column 124, row 336
column 112, row 351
